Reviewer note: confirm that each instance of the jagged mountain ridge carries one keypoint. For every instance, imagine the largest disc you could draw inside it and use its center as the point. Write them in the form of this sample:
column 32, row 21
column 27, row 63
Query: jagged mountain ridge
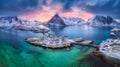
column 10, row 20
column 73, row 21
column 14, row 20
column 102, row 21
column 56, row 20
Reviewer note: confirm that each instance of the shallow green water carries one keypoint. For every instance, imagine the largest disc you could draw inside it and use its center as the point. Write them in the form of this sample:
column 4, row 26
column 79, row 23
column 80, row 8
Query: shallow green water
column 15, row 52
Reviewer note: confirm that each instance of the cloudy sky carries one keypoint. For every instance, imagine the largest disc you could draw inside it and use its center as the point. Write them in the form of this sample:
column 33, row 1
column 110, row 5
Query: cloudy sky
column 43, row 10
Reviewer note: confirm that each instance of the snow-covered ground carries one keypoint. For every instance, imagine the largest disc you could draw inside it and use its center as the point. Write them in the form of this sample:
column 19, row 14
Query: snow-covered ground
column 14, row 22
column 111, row 48
column 52, row 41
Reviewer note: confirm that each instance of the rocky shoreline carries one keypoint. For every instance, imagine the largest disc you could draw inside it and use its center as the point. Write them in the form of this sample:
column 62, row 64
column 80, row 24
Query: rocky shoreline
column 109, row 50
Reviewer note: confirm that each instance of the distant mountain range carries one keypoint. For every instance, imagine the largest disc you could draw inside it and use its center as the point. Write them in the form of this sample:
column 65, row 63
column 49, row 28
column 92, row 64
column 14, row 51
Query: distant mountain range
column 15, row 23
column 96, row 21
column 102, row 21
column 62, row 21
column 8, row 21
column 73, row 21
column 56, row 20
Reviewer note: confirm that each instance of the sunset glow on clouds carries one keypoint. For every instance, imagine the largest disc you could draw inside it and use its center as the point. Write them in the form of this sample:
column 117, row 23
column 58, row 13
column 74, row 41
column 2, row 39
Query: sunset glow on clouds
column 43, row 10
column 48, row 12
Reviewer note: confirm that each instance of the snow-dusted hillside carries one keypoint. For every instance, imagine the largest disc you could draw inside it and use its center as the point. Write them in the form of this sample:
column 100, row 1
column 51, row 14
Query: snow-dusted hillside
column 102, row 21
column 9, row 21
column 14, row 22
column 73, row 21
column 111, row 48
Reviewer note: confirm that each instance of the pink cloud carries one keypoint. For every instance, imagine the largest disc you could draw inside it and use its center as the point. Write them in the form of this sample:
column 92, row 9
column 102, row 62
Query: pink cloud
column 47, row 12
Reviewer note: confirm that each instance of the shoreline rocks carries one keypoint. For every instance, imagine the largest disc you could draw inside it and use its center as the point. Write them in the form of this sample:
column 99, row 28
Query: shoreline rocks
column 111, row 48
column 114, row 31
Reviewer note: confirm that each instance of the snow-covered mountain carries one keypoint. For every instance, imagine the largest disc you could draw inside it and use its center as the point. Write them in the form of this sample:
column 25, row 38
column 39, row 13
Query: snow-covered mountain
column 73, row 21
column 56, row 20
column 15, row 23
column 102, row 21
column 9, row 21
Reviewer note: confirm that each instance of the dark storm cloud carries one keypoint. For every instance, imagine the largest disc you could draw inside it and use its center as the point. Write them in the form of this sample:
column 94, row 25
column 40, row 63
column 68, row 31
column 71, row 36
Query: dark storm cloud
column 105, row 7
column 67, row 4
column 17, row 4
column 14, row 7
column 101, row 7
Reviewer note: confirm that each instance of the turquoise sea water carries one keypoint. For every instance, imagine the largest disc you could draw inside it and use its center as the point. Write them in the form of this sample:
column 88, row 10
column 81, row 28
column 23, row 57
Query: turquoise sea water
column 15, row 52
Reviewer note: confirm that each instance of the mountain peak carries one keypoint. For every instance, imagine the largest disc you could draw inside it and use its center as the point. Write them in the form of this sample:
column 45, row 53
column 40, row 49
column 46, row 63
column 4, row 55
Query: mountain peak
column 56, row 15
column 56, row 20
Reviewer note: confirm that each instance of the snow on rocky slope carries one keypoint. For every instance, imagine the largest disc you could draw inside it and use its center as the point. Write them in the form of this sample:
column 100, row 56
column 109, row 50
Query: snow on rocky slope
column 73, row 21
column 102, row 21
column 56, row 20
column 14, row 22
column 111, row 48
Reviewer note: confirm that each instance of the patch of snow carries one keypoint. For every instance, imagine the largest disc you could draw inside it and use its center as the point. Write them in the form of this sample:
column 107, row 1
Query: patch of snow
column 111, row 48
column 73, row 21
column 14, row 22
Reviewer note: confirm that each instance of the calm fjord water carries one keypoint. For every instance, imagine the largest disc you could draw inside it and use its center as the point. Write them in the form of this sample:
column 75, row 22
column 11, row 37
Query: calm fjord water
column 15, row 52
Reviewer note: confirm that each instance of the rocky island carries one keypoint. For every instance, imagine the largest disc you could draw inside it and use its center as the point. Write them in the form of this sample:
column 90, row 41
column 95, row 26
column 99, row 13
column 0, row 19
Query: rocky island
column 58, row 42
column 52, row 42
